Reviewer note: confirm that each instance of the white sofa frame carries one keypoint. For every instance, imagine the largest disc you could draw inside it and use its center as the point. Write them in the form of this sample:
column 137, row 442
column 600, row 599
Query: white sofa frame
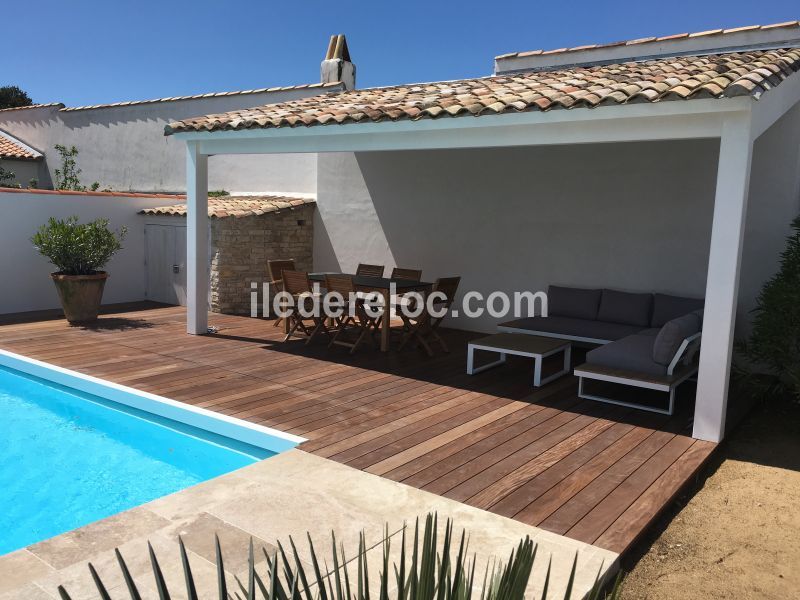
column 681, row 368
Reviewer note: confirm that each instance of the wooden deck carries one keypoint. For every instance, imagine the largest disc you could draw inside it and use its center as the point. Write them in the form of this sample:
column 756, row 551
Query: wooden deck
column 589, row 471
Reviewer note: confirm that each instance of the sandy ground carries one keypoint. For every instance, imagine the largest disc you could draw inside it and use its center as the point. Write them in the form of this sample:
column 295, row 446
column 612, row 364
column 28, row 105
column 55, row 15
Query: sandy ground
column 738, row 534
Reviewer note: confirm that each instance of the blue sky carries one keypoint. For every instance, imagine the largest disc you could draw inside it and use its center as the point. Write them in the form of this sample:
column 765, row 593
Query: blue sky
column 82, row 52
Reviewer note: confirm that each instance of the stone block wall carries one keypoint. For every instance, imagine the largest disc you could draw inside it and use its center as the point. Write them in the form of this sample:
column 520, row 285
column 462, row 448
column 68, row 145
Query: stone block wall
column 242, row 246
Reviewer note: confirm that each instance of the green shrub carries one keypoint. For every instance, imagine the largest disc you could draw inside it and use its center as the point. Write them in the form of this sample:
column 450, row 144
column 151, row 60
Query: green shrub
column 7, row 178
column 428, row 573
column 75, row 248
column 67, row 177
column 775, row 338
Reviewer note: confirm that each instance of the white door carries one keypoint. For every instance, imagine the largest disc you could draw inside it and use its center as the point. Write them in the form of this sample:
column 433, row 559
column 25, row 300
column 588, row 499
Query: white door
column 165, row 259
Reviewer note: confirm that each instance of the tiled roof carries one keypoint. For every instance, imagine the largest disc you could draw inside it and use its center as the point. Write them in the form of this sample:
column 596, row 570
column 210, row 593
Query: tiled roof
column 718, row 33
column 236, row 206
column 11, row 147
column 747, row 73
column 306, row 86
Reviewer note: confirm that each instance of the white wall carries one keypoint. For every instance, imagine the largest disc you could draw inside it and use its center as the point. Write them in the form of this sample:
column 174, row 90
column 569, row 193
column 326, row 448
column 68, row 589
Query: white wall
column 24, row 170
column 124, row 147
column 633, row 216
column 27, row 285
column 774, row 201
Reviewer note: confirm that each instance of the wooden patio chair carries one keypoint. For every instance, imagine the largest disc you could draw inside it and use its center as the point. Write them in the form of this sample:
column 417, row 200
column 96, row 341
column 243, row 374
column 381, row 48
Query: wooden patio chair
column 276, row 268
column 410, row 274
column 365, row 270
column 357, row 318
column 299, row 286
column 423, row 330
column 400, row 299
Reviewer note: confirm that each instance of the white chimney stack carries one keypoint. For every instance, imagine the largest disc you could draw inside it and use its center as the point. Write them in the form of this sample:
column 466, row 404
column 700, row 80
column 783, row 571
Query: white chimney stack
column 337, row 68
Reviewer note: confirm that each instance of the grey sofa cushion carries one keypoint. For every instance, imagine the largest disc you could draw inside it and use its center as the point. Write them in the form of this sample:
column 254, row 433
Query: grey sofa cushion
column 672, row 335
column 626, row 308
column 577, row 303
column 653, row 331
column 582, row 328
column 631, row 353
column 666, row 308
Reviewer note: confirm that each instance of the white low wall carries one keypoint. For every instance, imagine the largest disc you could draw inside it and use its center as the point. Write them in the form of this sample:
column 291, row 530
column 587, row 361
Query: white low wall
column 25, row 274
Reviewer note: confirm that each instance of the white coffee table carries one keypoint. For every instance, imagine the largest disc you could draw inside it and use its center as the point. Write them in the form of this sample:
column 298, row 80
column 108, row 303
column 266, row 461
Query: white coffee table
column 520, row 344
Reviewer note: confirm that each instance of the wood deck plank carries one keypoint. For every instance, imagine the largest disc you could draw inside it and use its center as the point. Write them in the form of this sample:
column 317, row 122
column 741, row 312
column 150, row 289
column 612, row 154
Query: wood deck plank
column 541, row 456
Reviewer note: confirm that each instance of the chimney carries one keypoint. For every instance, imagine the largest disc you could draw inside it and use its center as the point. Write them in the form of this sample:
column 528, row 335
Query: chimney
column 337, row 68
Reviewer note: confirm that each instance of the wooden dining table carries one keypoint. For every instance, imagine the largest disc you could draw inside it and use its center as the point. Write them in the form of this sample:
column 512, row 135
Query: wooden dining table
column 382, row 286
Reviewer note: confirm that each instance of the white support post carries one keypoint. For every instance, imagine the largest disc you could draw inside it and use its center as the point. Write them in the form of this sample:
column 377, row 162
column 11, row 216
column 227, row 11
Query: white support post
column 722, row 284
column 196, row 240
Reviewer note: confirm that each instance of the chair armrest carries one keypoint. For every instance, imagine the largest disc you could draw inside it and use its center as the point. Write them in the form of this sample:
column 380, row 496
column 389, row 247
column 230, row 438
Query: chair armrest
column 686, row 352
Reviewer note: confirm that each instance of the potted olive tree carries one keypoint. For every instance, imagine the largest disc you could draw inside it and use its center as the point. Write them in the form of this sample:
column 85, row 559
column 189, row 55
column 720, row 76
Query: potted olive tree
column 79, row 252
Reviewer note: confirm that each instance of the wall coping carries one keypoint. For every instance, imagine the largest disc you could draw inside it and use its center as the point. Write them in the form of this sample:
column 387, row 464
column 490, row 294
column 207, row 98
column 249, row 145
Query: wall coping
column 74, row 193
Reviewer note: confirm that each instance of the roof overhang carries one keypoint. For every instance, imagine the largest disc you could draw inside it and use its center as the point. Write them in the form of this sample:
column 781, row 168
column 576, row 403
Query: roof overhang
column 26, row 152
column 677, row 119
column 668, row 120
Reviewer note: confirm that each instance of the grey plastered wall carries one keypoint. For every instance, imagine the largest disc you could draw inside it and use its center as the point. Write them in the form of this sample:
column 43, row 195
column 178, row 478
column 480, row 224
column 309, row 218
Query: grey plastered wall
column 23, row 170
column 124, row 147
column 634, row 216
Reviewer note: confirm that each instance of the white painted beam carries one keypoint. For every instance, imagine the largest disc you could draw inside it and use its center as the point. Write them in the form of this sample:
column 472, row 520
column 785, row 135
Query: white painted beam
column 663, row 128
column 196, row 240
column 659, row 121
column 722, row 285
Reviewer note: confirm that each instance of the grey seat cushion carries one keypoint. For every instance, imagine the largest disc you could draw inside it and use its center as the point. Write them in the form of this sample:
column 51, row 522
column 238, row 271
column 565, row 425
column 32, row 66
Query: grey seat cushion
column 582, row 328
column 631, row 353
column 625, row 308
column 577, row 303
column 672, row 335
column 653, row 331
column 666, row 308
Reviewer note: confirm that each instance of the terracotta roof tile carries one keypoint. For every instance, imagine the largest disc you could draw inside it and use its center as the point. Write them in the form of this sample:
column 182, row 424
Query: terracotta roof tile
column 663, row 38
column 305, row 86
column 684, row 77
column 236, row 206
column 30, row 106
column 11, row 147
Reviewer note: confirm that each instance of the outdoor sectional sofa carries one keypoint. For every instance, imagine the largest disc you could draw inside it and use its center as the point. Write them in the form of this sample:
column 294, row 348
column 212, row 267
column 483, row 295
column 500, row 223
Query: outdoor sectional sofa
column 643, row 340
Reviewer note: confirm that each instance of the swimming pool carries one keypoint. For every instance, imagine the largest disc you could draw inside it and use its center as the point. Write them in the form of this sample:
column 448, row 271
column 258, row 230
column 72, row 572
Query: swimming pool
column 76, row 449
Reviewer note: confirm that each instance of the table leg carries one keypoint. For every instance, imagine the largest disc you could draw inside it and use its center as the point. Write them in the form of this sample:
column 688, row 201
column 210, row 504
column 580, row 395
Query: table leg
column 473, row 370
column 537, row 374
column 386, row 321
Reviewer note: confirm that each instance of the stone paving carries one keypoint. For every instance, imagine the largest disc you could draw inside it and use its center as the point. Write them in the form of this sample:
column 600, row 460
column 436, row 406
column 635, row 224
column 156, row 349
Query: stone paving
column 289, row 494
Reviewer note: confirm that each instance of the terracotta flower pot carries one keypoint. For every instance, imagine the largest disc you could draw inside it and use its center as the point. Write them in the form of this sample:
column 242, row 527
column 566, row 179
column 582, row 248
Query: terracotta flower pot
column 80, row 295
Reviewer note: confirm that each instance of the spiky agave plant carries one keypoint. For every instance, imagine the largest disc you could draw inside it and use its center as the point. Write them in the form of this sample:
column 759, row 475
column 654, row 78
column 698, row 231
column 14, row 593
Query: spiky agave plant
column 429, row 573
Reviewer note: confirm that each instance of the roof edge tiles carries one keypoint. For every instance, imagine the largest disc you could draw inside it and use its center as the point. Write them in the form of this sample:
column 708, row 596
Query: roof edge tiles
column 15, row 149
column 288, row 88
column 335, row 86
column 32, row 106
column 710, row 41
column 236, row 206
column 723, row 75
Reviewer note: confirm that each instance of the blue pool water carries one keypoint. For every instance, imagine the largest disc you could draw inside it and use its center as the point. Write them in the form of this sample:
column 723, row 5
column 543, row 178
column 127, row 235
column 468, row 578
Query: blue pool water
column 70, row 458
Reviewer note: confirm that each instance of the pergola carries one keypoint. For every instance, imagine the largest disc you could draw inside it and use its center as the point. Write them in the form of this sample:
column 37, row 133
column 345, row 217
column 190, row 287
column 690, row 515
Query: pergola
column 736, row 121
